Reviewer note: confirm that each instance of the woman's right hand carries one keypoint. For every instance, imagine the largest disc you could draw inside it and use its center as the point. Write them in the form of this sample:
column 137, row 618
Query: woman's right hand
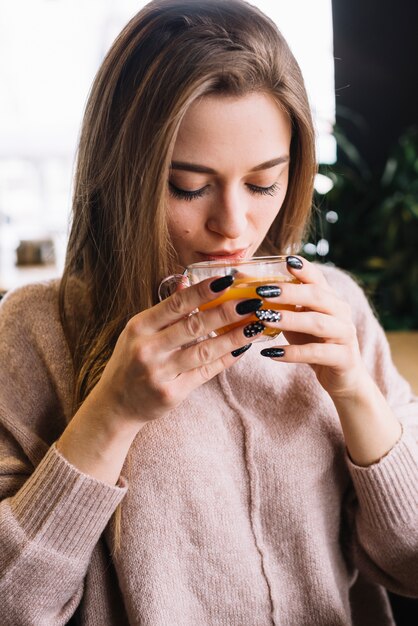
column 153, row 368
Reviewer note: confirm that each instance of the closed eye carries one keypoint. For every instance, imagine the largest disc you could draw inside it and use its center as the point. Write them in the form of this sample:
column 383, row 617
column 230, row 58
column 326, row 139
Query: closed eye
column 183, row 194
column 264, row 191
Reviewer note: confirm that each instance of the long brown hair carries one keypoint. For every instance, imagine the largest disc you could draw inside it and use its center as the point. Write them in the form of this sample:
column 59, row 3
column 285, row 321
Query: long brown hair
column 171, row 53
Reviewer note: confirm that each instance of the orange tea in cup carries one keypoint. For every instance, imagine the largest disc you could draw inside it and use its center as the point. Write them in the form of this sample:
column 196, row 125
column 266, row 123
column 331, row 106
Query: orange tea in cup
column 248, row 275
column 245, row 287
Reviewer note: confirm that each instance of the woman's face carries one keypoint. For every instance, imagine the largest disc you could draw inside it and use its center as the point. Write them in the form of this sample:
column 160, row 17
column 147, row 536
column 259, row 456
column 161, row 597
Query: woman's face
column 228, row 177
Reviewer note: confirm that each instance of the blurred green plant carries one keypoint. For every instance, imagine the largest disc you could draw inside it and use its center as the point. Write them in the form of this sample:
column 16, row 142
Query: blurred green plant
column 368, row 225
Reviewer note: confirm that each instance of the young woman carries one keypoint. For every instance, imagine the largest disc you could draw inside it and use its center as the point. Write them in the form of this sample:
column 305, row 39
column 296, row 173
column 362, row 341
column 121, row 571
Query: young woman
column 149, row 480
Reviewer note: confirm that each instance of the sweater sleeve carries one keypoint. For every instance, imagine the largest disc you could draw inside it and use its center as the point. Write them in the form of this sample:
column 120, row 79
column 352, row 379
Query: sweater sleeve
column 384, row 505
column 51, row 515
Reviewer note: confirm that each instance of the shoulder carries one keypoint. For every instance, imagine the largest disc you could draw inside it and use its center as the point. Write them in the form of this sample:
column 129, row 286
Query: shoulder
column 36, row 293
column 30, row 323
column 348, row 287
column 37, row 305
column 29, row 307
column 341, row 280
column 31, row 333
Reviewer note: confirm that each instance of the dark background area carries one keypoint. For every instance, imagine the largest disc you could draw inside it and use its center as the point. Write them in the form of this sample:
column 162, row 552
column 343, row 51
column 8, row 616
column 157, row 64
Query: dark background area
column 376, row 79
column 376, row 57
column 375, row 193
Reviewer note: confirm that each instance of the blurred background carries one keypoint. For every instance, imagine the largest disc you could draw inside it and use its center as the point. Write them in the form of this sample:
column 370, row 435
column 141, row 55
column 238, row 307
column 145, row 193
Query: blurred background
column 368, row 221
column 359, row 59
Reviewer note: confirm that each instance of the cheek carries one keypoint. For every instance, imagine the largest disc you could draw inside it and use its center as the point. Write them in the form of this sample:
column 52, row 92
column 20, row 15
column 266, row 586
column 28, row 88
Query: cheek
column 179, row 230
column 263, row 217
column 184, row 221
column 273, row 207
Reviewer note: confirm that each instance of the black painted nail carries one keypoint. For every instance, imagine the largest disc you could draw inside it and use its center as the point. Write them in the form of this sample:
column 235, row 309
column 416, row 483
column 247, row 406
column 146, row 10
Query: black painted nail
column 268, row 291
column 239, row 351
column 219, row 284
column 272, row 352
column 248, row 306
column 254, row 329
column 294, row 262
column 268, row 315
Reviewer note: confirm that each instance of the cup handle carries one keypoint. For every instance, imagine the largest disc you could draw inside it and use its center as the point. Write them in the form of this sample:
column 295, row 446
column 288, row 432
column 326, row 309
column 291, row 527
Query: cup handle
column 171, row 284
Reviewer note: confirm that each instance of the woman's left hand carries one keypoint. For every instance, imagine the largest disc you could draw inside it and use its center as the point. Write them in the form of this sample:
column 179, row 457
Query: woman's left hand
column 321, row 332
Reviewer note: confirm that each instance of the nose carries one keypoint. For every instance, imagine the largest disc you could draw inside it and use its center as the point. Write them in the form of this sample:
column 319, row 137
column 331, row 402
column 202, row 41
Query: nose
column 228, row 216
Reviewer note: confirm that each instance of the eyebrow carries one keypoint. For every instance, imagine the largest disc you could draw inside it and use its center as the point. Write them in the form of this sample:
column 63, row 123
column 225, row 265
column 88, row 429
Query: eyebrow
column 202, row 169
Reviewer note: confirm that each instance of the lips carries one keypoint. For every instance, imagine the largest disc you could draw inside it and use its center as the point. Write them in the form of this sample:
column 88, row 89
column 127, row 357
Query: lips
column 224, row 255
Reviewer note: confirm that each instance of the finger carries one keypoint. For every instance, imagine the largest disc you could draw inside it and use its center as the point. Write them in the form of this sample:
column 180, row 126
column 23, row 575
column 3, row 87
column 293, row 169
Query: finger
column 203, row 323
column 203, row 353
column 179, row 304
column 305, row 271
column 200, row 375
column 316, row 324
column 331, row 355
column 311, row 296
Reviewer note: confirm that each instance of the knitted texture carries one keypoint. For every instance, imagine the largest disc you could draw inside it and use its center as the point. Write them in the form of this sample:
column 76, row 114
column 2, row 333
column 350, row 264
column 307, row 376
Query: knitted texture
column 243, row 508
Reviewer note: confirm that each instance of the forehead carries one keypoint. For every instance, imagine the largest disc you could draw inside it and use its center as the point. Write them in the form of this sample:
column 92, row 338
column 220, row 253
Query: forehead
column 251, row 128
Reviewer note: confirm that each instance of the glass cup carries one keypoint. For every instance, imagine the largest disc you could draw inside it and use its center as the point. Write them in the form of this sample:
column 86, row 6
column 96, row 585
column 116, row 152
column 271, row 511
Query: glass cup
column 248, row 275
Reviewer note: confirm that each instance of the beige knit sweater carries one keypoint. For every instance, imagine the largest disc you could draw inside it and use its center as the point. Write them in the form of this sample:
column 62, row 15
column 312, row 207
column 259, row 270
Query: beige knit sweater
column 242, row 508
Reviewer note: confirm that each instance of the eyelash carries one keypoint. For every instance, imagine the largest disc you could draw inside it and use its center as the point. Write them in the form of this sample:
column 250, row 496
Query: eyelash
column 182, row 194
column 264, row 191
